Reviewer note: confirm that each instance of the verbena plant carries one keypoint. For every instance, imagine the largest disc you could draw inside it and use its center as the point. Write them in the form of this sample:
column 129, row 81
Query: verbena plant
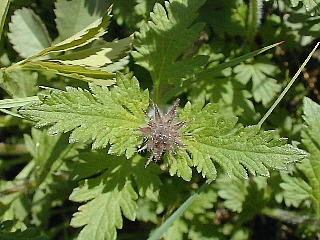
column 129, row 125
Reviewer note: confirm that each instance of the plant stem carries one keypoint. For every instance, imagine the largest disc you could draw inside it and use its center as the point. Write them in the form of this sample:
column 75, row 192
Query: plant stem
column 19, row 64
column 287, row 216
column 274, row 105
column 4, row 7
column 168, row 223
column 253, row 20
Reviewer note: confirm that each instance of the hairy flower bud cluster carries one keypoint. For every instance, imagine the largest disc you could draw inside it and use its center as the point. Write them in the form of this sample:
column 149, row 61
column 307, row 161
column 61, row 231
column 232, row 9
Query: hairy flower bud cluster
column 161, row 133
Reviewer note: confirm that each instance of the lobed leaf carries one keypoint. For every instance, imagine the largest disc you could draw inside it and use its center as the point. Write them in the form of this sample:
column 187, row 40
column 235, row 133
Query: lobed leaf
column 83, row 13
column 180, row 164
column 264, row 87
column 211, row 76
column 233, row 191
column 17, row 102
column 312, row 6
column 174, row 218
column 110, row 195
column 255, row 201
column 210, row 72
column 29, row 233
column 99, row 56
column 12, row 204
column 296, row 190
column 28, row 34
column 102, row 215
column 311, row 166
column 102, row 116
column 177, row 230
column 211, row 136
column 148, row 182
column 19, row 84
column 311, row 132
column 163, row 39
column 97, row 77
column 85, row 36
column 50, row 186
column 146, row 211
column 201, row 204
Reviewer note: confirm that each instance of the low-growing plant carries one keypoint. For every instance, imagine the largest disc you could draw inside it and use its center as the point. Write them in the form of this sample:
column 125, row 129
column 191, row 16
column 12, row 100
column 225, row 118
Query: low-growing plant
column 163, row 121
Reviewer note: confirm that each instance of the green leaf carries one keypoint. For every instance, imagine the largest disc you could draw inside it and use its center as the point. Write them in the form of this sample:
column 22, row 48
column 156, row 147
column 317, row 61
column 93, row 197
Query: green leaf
column 83, row 37
column 201, row 204
column 19, row 84
column 146, row 211
column 296, row 190
column 312, row 6
column 124, row 13
column 99, row 56
column 228, row 91
column 165, row 38
column 117, row 66
column 103, row 214
column 83, row 13
column 174, row 218
column 51, row 188
column 310, row 138
column 148, row 183
column 28, row 234
column 180, row 164
column 244, row 196
column 311, row 132
column 102, row 116
column 28, row 35
column 211, row 135
column 233, row 191
column 4, row 6
column 17, row 102
column 208, row 73
column 110, row 195
column 256, row 200
column 97, row 77
column 264, row 86
column 47, row 150
column 89, row 164
column 177, row 230
column 225, row 17
column 13, row 204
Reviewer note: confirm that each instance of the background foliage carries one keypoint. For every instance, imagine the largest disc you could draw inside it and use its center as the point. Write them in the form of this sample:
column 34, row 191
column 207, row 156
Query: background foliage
column 77, row 77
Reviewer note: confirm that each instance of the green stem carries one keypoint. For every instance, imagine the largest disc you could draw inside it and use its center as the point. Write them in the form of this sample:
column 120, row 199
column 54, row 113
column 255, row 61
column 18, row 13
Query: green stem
column 317, row 207
column 288, row 217
column 17, row 65
column 168, row 223
column 4, row 7
column 253, row 20
column 274, row 105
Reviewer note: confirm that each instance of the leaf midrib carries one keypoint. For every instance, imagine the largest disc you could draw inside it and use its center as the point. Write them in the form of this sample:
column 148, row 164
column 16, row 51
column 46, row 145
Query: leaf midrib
column 138, row 123
column 188, row 142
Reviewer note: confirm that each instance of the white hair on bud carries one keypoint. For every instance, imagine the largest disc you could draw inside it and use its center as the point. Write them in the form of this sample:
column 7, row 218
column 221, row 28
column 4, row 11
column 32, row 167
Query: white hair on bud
column 259, row 11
